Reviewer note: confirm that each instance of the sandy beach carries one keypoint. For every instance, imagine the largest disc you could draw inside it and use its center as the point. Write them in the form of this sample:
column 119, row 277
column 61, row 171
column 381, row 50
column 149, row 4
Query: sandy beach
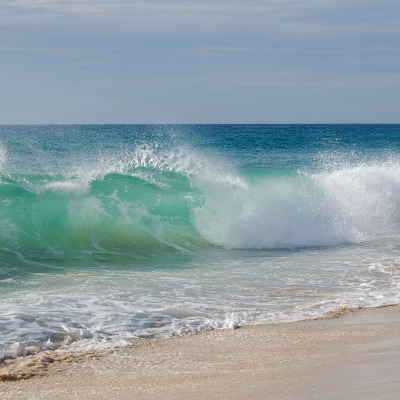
column 353, row 356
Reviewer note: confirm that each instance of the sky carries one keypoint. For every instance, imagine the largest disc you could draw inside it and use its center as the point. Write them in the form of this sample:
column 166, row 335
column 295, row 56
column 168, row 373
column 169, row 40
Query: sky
column 189, row 61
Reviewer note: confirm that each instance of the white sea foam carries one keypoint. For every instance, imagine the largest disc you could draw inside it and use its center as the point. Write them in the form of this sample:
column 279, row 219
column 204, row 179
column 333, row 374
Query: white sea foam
column 346, row 205
column 365, row 199
column 102, row 308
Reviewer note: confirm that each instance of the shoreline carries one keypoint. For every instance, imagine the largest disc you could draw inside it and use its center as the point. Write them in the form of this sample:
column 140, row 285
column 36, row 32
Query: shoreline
column 352, row 355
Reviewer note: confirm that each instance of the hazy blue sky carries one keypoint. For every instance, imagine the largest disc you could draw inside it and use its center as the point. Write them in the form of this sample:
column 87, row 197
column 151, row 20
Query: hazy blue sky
column 227, row 61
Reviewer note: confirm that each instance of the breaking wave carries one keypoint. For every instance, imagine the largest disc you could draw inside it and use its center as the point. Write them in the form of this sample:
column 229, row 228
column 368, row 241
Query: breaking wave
column 181, row 200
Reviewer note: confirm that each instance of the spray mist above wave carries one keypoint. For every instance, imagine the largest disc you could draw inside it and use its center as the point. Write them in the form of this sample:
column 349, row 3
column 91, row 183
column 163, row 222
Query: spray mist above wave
column 145, row 159
column 142, row 161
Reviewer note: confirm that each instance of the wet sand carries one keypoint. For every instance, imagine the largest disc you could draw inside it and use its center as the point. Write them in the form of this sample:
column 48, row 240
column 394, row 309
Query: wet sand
column 355, row 356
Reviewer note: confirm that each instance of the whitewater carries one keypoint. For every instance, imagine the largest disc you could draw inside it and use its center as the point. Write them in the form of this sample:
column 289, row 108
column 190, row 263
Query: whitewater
column 114, row 232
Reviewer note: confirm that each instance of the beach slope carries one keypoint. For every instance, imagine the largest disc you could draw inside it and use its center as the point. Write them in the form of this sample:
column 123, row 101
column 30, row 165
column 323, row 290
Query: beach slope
column 354, row 356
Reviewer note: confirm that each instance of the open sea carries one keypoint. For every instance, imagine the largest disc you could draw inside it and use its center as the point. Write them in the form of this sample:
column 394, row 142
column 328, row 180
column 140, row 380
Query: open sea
column 114, row 232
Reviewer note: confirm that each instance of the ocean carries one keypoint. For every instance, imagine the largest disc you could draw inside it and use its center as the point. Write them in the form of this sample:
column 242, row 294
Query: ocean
column 114, row 232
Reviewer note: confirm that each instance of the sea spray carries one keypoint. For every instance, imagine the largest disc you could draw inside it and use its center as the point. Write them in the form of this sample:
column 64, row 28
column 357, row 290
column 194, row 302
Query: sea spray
column 304, row 209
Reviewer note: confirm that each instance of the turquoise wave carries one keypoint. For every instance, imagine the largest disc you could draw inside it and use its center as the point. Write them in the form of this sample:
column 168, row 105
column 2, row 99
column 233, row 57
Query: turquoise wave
column 151, row 210
column 156, row 209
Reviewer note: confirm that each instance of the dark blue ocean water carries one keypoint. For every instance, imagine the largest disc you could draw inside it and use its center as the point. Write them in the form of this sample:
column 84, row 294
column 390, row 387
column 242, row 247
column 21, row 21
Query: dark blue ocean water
column 116, row 231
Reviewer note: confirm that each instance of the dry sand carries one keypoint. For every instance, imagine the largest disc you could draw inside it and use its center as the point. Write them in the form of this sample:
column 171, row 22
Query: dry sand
column 356, row 356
